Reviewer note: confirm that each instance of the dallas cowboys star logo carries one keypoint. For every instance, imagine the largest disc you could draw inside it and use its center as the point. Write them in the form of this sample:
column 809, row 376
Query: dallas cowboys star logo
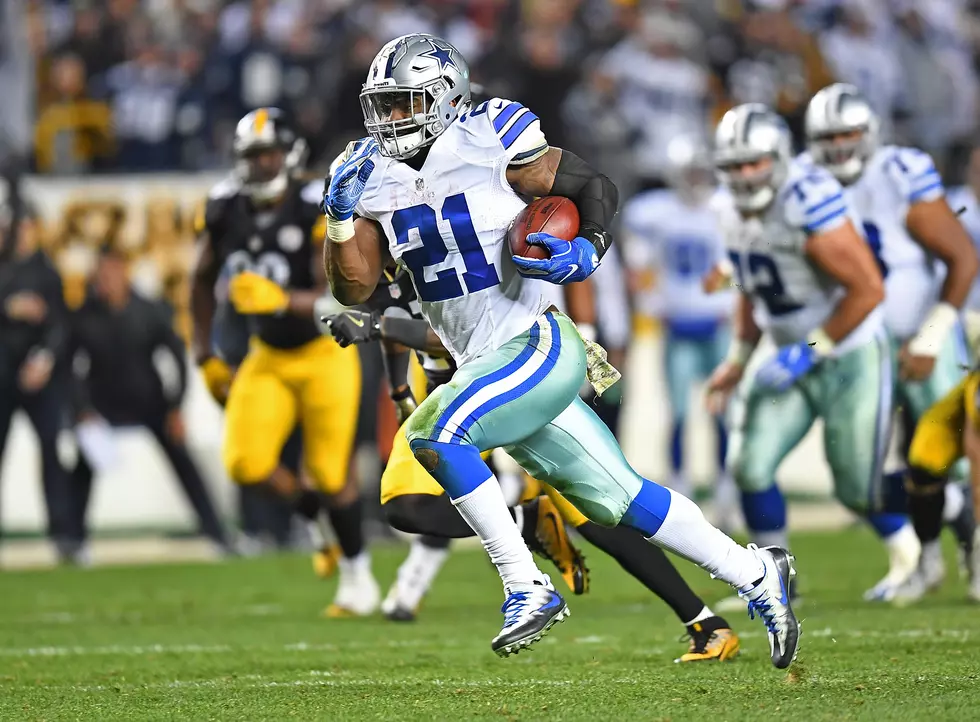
column 440, row 54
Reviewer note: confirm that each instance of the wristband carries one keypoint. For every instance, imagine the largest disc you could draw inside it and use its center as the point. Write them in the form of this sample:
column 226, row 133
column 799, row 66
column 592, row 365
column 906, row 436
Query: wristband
column 340, row 231
column 934, row 330
column 820, row 342
column 740, row 352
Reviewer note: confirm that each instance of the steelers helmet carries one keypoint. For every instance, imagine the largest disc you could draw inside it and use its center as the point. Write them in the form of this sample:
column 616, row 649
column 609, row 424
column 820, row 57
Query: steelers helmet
column 267, row 150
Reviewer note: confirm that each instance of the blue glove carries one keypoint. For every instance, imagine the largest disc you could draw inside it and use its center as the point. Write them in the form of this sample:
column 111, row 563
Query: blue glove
column 790, row 363
column 348, row 180
column 570, row 261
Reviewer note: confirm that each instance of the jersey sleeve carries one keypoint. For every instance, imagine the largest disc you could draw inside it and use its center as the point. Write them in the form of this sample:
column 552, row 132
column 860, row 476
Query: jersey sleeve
column 814, row 202
column 210, row 217
column 517, row 129
column 641, row 230
column 915, row 176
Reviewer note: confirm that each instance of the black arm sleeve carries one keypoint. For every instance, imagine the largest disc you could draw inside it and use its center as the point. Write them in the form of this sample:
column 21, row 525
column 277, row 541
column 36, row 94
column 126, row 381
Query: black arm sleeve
column 596, row 197
column 411, row 332
column 396, row 369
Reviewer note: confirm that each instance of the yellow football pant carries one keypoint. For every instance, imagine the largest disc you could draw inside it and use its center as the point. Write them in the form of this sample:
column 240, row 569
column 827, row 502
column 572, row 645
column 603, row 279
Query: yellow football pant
column 405, row 475
column 938, row 439
column 317, row 384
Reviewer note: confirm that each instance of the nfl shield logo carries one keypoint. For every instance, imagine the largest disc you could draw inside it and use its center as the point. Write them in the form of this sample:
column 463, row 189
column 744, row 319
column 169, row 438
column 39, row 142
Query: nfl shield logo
column 395, row 291
column 419, row 184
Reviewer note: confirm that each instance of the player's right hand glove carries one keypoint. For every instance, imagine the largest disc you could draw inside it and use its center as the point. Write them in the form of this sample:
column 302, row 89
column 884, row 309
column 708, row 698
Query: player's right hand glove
column 789, row 364
column 350, row 326
column 570, row 261
column 404, row 405
column 217, row 377
column 251, row 293
column 349, row 179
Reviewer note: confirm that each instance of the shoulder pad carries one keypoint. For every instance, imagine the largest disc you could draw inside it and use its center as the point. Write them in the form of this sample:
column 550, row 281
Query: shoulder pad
column 914, row 175
column 813, row 200
column 517, row 129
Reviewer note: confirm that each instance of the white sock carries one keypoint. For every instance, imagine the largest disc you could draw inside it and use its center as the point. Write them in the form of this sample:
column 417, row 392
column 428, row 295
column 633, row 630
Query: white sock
column 417, row 572
column 953, row 505
column 778, row 538
column 361, row 564
column 687, row 533
column 705, row 613
column 487, row 514
column 512, row 487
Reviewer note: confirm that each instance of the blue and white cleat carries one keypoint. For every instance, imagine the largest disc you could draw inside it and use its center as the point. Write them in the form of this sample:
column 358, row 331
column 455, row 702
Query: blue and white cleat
column 529, row 612
column 769, row 599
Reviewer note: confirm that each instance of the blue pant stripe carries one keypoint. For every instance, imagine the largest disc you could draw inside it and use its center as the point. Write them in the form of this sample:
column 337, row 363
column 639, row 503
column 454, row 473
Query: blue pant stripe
column 484, row 381
column 537, row 377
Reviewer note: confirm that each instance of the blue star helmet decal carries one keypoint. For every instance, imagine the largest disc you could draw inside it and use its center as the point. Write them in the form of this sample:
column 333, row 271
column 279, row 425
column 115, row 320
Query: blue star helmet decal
column 440, row 54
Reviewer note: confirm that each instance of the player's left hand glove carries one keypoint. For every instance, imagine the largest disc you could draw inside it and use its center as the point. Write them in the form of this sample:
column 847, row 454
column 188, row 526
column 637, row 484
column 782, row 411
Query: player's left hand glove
column 349, row 179
column 349, row 327
column 252, row 294
column 789, row 364
column 570, row 261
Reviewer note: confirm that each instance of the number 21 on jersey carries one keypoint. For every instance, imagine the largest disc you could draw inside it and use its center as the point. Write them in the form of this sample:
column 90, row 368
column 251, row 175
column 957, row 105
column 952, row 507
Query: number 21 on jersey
column 448, row 283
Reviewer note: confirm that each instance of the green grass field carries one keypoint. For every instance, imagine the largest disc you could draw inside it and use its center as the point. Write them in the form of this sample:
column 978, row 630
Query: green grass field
column 243, row 641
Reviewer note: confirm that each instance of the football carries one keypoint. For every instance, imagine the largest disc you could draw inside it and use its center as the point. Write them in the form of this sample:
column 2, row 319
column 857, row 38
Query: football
column 554, row 215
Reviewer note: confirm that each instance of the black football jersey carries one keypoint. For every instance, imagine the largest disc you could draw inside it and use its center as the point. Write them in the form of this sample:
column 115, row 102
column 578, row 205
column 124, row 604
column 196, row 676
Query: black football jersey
column 395, row 295
column 278, row 243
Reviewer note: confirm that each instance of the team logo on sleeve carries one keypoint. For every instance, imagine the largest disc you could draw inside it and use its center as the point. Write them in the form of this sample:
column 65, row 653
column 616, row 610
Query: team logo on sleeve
column 290, row 238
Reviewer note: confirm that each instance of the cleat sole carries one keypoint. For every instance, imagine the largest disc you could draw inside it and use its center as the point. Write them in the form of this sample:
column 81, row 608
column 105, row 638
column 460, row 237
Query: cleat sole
column 526, row 643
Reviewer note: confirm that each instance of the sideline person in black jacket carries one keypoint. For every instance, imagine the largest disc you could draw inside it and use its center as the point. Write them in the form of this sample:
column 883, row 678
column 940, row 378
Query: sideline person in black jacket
column 129, row 369
column 33, row 336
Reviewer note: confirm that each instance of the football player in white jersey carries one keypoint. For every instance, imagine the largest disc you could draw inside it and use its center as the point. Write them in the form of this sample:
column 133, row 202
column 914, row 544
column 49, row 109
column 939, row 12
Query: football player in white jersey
column 967, row 197
column 900, row 199
column 436, row 188
column 674, row 233
column 808, row 279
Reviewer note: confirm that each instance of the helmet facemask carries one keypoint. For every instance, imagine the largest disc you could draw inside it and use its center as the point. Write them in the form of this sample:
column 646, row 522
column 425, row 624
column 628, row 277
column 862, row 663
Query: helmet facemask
column 844, row 153
column 752, row 181
column 402, row 120
column 263, row 172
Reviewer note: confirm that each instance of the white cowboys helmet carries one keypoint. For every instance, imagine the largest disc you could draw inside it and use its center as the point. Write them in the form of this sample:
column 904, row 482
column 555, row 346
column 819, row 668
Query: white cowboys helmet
column 749, row 134
column 841, row 131
column 416, row 86
column 267, row 151
column 689, row 168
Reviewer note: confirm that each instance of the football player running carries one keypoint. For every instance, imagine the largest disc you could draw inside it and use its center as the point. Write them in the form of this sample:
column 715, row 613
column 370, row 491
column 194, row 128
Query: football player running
column 265, row 227
column 900, row 199
column 808, row 279
column 435, row 188
column 414, row 502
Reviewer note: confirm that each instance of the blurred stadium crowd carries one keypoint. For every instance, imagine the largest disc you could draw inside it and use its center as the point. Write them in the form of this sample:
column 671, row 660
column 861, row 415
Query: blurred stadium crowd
column 156, row 86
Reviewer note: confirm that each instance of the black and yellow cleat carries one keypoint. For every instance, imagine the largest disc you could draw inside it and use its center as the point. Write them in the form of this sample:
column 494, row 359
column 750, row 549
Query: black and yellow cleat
column 325, row 561
column 550, row 540
column 711, row 640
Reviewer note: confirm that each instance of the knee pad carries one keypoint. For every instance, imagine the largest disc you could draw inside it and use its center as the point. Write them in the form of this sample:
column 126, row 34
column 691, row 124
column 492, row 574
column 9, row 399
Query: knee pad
column 401, row 514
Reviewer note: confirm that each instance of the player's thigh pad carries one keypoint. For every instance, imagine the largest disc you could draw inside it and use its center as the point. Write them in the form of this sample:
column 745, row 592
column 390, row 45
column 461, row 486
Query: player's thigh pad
column 508, row 394
column 259, row 416
column 919, row 396
column 578, row 455
column 404, row 474
column 327, row 379
column 938, row 438
column 855, row 394
column 764, row 427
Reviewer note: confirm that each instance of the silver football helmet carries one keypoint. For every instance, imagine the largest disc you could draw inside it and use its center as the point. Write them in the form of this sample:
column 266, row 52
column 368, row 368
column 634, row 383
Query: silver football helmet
column 747, row 135
column 417, row 85
column 264, row 174
column 841, row 131
column 689, row 169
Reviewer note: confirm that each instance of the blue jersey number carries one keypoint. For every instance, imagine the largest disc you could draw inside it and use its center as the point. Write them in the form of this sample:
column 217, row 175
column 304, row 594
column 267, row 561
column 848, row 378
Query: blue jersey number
column 479, row 274
column 874, row 240
column 688, row 258
column 766, row 283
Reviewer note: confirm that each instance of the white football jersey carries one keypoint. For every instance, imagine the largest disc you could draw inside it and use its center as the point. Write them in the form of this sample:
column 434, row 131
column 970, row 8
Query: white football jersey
column 964, row 197
column 893, row 180
column 447, row 224
column 681, row 243
column 790, row 295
